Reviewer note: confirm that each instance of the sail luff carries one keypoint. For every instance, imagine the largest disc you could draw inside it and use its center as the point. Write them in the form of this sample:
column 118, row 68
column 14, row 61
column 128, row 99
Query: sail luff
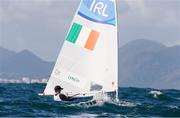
column 46, row 88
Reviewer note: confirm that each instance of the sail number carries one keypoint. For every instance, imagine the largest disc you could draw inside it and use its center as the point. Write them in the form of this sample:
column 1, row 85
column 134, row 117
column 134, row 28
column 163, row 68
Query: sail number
column 99, row 8
column 73, row 78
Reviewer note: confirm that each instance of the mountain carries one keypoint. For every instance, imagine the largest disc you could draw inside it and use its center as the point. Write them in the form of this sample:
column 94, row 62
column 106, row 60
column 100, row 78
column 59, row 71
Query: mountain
column 23, row 64
column 5, row 53
column 144, row 63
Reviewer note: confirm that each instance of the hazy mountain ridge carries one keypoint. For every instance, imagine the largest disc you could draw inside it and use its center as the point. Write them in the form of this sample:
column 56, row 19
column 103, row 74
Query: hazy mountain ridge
column 149, row 65
column 5, row 53
column 142, row 63
column 24, row 64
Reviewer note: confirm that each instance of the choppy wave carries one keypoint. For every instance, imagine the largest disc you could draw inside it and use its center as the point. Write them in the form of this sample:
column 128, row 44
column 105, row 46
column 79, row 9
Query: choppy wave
column 101, row 100
column 178, row 98
column 22, row 100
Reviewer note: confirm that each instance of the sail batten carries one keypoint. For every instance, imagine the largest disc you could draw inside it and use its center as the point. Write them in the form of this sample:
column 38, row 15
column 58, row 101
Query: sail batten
column 88, row 60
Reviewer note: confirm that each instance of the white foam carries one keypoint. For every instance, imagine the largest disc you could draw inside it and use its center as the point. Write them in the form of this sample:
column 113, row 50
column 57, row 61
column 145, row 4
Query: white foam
column 23, row 80
column 88, row 115
column 100, row 99
column 84, row 115
column 155, row 93
column 173, row 107
column 123, row 103
column 1, row 100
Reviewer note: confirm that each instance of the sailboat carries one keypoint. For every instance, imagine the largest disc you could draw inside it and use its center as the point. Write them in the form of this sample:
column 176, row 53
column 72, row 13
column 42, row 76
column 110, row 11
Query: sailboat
column 88, row 61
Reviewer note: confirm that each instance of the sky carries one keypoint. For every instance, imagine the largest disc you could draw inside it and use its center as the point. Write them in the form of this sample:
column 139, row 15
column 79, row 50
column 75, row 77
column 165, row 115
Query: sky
column 41, row 25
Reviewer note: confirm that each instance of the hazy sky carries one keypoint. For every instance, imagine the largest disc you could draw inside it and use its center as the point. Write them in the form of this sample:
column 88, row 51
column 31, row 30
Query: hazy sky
column 41, row 25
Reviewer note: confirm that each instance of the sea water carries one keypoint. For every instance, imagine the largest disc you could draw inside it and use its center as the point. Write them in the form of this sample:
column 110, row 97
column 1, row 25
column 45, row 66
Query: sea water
column 22, row 100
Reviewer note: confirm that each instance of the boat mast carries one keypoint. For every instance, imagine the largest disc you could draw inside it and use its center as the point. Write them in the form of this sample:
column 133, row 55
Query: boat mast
column 117, row 99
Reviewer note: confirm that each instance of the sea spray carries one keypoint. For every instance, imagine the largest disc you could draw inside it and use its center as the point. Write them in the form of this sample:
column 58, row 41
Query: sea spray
column 155, row 93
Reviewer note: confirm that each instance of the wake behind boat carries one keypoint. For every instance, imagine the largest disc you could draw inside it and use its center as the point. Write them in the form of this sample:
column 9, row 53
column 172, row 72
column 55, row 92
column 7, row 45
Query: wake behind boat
column 88, row 61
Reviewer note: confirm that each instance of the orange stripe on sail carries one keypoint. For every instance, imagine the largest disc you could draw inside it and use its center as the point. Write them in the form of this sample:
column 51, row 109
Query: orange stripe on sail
column 92, row 39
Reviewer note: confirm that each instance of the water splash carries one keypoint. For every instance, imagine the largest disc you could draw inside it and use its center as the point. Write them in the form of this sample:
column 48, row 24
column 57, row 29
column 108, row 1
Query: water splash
column 100, row 99
column 155, row 93
column 97, row 100
column 124, row 103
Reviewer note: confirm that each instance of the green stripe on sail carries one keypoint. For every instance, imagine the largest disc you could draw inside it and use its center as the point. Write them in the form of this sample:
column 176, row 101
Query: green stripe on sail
column 74, row 33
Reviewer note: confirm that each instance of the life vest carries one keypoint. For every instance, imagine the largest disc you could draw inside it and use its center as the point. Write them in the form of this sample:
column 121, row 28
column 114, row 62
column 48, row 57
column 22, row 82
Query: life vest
column 61, row 97
column 57, row 98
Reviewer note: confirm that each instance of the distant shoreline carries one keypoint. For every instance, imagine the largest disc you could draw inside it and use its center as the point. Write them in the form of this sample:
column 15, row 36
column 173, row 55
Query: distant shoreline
column 24, row 81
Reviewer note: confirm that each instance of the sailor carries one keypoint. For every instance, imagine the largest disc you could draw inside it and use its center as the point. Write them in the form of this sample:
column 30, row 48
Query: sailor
column 58, row 96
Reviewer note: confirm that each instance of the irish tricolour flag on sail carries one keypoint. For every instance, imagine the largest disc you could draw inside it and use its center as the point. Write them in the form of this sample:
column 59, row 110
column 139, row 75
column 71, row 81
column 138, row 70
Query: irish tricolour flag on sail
column 83, row 36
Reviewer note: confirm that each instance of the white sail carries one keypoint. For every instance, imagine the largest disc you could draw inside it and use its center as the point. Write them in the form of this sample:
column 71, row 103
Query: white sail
column 88, row 60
